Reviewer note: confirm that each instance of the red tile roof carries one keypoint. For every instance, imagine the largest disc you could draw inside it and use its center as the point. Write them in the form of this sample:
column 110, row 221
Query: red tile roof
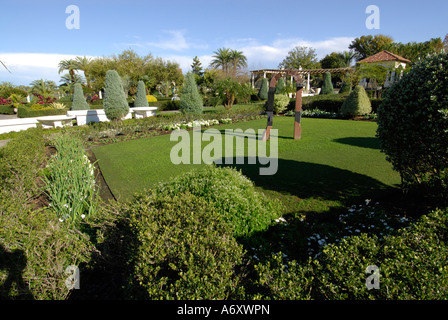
column 384, row 56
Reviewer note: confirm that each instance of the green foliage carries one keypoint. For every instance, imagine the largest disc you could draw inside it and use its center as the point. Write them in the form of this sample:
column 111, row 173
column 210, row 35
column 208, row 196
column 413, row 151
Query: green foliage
column 357, row 103
column 70, row 181
column 184, row 249
column 190, row 100
column 280, row 86
column 264, row 90
column 301, row 57
column 281, row 101
column 366, row 46
column 231, row 194
column 24, row 111
column 79, row 101
column 346, row 88
column 229, row 89
column 327, row 86
column 413, row 122
column 34, row 248
column 141, row 99
column 7, row 109
column 115, row 105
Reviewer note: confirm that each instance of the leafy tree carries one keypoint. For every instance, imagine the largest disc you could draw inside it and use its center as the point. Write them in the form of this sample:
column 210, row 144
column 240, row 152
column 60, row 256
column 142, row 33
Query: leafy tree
column 190, row 100
column 196, row 67
column 115, row 104
column 357, row 103
column 366, row 46
column 327, row 86
column 301, row 57
column 264, row 89
column 79, row 101
column 281, row 101
column 334, row 60
column 229, row 89
column 280, row 86
column 415, row 50
column 413, row 124
column 140, row 98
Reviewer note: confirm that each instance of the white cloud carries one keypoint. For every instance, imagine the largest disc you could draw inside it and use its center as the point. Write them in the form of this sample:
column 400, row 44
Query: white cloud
column 271, row 55
column 26, row 67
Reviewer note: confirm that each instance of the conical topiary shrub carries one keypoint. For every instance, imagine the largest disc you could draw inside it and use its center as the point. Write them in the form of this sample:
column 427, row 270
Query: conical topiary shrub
column 264, row 90
column 357, row 103
column 115, row 103
column 79, row 101
column 190, row 100
column 140, row 98
column 327, row 86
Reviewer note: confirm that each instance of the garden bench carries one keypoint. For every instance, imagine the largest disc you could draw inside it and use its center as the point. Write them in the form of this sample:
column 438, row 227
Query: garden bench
column 143, row 112
column 55, row 121
column 17, row 124
column 94, row 115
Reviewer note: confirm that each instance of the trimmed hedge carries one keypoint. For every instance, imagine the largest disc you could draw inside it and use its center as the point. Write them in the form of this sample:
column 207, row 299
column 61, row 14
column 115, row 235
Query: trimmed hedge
column 7, row 109
column 27, row 112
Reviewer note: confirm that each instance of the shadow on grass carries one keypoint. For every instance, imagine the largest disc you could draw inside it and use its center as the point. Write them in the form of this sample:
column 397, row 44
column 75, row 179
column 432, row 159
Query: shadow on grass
column 363, row 142
column 309, row 180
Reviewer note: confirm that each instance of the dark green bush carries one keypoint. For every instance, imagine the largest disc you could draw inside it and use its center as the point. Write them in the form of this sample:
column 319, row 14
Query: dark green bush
column 190, row 100
column 413, row 125
column 328, row 103
column 184, row 249
column 35, row 248
column 115, row 104
column 79, row 101
column 357, row 103
column 412, row 266
column 232, row 194
column 140, row 98
column 264, row 90
column 7, row 109
column 27, row 112
column 327, row 86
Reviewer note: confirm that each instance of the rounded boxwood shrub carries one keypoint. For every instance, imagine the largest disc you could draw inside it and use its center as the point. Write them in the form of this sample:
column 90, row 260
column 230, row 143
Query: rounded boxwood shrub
column 79, row 101
column 232, row 194
column 115, row 104
column 183, row 249
column 281, row 101
column 140, row 98
column 357, row 103
column 413, row 124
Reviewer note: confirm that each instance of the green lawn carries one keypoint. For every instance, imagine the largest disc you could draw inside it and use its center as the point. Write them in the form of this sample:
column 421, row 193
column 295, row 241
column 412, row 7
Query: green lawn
column 336, row 162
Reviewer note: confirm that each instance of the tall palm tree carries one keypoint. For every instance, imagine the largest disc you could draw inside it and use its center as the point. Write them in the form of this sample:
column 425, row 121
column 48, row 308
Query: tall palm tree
column 71, row 66
column 238, row 60
column 221, row 59
column 84, row 65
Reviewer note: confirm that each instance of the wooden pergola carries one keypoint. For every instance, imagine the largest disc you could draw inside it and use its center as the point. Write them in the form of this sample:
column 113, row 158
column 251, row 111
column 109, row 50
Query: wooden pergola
column 301, row 72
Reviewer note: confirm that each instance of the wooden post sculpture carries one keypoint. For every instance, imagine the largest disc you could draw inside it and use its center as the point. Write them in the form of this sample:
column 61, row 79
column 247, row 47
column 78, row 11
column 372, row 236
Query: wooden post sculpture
column 298, row 107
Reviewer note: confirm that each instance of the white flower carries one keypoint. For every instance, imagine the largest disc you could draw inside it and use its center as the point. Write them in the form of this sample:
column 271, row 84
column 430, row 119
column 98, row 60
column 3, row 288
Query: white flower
column 83, row 216
column 367, row 201
column 61, row 220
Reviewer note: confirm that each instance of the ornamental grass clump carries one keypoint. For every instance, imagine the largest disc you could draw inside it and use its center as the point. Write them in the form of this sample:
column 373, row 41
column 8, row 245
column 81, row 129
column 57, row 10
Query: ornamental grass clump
column 70, row 181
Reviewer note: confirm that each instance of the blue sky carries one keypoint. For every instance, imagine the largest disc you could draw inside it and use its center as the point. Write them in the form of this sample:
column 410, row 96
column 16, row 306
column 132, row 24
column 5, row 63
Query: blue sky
column 34, row 36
